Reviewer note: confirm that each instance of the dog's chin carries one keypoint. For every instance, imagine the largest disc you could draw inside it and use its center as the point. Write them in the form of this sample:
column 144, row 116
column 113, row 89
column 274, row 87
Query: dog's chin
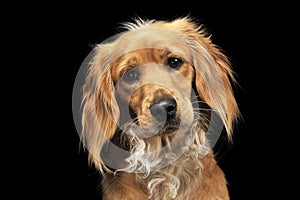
column 168, row 129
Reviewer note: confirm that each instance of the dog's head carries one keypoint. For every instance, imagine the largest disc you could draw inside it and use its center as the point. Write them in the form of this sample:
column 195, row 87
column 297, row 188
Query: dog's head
column 156, row 81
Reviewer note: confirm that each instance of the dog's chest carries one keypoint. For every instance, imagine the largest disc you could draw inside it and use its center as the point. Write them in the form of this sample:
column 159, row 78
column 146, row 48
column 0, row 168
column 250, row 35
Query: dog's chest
column 176, row 181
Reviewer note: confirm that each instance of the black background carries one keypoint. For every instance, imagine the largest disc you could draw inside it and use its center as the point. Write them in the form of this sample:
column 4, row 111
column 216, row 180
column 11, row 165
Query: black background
column 260, row 38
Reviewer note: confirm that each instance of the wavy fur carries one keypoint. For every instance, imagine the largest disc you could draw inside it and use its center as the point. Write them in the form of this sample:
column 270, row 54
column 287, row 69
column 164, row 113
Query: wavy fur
column 195, row 174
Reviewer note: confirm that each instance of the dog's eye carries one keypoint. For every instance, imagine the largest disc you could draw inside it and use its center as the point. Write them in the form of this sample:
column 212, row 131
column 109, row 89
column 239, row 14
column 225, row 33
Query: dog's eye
column 131, row 75
column 174, row 62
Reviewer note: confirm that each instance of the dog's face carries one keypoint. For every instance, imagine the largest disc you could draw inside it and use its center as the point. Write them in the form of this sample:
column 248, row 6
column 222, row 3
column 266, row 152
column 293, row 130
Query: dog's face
column 153, row 89
column 154, row 82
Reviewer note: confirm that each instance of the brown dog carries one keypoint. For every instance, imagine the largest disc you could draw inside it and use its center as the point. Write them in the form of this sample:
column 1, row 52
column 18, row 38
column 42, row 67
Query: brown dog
column 151, row 96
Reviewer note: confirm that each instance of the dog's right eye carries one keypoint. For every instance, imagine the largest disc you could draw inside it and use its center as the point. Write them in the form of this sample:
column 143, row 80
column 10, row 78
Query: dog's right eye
column 174, row 62
column 131, row 76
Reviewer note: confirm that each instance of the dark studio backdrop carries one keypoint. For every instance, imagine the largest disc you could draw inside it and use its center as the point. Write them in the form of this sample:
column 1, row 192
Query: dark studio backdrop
column 260, row 38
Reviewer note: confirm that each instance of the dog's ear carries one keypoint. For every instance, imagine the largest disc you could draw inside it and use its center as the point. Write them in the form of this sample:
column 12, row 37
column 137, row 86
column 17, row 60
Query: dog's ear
column 100, row 111
column 213, row 78
column 214, row 75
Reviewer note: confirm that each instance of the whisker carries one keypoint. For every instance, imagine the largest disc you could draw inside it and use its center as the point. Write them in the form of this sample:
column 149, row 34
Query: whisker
column 198, row 115
column 195, row 96
column 198, row 101
column 209, row 109
column 200, row 109
column 133, row 120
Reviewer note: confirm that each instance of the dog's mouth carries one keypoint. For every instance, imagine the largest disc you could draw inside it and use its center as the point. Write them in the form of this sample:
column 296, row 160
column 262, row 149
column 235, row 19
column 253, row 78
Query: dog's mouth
column 157, row 128
column 169, row 127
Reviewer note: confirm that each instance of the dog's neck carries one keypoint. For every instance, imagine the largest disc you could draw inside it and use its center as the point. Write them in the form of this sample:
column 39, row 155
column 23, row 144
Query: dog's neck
column 185, row 178
column 173, row 180
column 181, row 180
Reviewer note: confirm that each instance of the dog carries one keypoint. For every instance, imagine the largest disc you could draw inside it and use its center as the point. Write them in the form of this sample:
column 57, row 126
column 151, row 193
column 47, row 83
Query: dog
column 155, row 96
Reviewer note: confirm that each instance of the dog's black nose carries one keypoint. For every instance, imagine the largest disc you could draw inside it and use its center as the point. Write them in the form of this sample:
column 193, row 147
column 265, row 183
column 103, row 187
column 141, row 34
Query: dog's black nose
column 164, row 109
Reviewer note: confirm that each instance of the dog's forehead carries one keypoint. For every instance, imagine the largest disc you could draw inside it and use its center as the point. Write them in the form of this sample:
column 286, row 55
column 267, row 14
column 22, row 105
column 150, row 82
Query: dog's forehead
column 157, row 38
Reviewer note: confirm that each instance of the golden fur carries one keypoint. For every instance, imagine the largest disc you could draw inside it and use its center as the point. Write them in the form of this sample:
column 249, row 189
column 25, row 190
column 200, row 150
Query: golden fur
column 147, row 45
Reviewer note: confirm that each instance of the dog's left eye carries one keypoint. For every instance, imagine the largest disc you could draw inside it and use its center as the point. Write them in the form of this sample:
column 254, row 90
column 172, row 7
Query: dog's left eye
column 174, row 62
column 131, row 75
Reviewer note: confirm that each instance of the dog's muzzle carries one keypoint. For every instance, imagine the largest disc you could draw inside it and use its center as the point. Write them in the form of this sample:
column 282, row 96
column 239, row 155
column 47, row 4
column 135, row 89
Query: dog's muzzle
column 164, row 111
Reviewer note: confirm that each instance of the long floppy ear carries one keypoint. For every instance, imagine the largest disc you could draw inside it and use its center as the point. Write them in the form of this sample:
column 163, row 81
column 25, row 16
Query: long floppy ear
column 100, row 110
column 213, row 82
column 213, row 72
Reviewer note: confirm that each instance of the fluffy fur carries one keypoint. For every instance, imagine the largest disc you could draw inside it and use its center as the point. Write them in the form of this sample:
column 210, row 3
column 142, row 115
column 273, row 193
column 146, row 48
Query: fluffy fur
column 199, row 86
